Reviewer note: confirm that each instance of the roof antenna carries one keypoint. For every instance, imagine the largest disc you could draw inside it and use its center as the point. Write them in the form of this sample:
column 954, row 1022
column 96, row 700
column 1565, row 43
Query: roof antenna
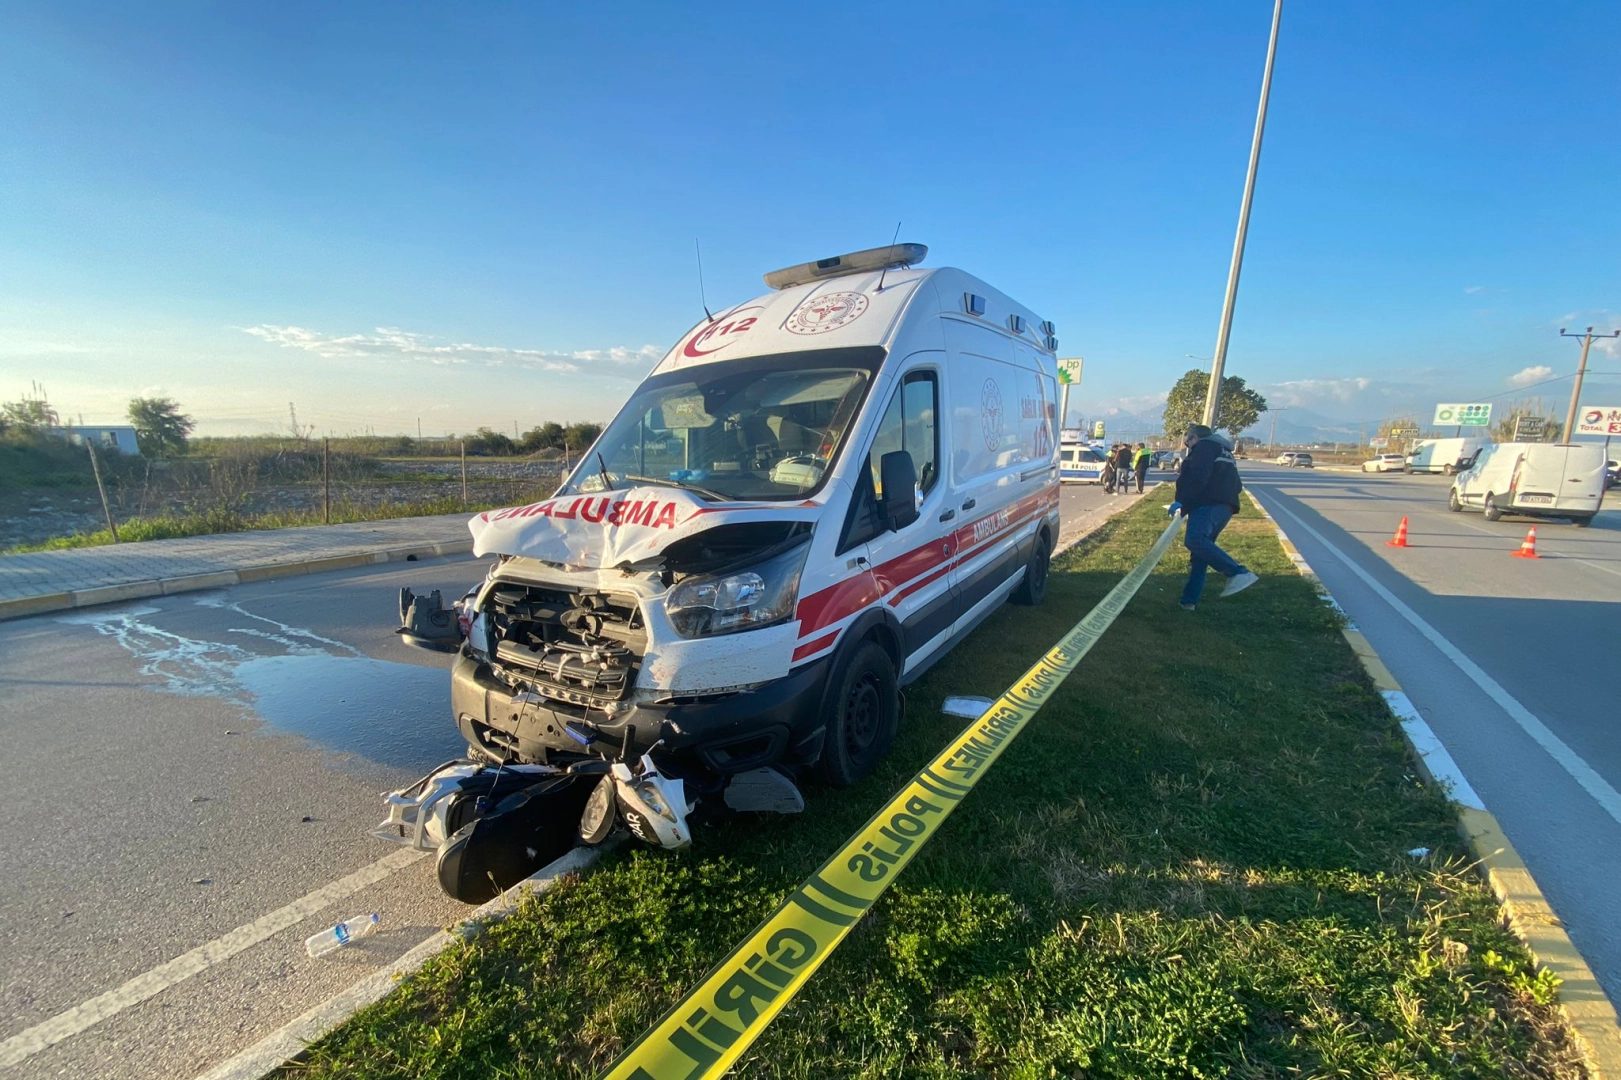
column 892, row 240
column 701, row 297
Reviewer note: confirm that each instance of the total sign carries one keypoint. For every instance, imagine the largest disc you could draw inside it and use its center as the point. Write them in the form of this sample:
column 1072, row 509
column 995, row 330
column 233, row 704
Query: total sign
column 1598, row 420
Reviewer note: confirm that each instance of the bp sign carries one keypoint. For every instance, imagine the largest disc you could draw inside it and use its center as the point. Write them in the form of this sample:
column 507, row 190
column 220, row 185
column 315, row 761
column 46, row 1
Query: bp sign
column 1069, row 371
column 1463, row 415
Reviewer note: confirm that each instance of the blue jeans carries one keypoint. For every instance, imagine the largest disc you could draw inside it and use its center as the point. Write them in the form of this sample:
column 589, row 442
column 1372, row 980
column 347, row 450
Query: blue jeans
column 1204, row 525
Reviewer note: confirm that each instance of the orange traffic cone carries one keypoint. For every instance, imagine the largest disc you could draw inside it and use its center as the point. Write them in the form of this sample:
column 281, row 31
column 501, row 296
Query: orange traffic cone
column 1528, row 547
column 1401, row 536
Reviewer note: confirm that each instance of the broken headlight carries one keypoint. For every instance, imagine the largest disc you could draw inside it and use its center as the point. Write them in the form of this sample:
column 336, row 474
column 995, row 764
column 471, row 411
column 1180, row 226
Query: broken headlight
column 726, row 603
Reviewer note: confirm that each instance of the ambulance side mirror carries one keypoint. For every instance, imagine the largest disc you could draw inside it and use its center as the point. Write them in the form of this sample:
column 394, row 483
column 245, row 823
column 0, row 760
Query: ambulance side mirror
column 899, row 503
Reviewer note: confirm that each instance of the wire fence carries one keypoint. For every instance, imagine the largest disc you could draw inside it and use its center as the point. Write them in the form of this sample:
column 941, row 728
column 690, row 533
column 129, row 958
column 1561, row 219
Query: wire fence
column 263, row 485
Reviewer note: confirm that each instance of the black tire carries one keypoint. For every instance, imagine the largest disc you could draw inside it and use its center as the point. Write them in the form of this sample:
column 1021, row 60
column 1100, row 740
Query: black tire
column 1490, row 508
column 1582, row 521
column 1450, row 470
column 1452, row 501
column 863, row 711
column 1033, row 589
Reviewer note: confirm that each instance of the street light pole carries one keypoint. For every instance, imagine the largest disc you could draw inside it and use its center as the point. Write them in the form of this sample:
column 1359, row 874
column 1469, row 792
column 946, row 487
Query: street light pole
column 1213, row 394
column 1581, row 374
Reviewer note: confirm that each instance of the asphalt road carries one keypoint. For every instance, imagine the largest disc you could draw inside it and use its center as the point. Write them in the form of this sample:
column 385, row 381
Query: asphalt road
column 1546, row 631
column 179, row 769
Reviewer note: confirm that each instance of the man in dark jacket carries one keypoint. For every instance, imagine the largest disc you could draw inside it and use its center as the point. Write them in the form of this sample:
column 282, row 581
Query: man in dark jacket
column 1122, row 468
column 1207, row 492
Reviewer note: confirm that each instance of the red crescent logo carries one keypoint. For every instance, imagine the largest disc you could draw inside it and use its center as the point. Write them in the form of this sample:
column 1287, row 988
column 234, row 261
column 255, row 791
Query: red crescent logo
column 720, row 333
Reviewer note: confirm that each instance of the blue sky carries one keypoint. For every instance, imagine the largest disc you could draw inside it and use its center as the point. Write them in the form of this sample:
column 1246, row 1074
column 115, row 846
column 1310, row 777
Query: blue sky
column 480, row 214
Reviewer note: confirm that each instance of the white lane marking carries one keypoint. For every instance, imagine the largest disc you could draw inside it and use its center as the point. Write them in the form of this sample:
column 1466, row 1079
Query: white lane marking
column 42, row 1036
column 1441, row 767
column 277, row 1048
column 1595, row 785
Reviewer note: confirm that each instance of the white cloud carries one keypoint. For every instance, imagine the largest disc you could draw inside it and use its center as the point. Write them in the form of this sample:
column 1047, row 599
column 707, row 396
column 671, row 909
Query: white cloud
column 1305, row 393
column 1474, row 290
column 1528, row 375
column 391, row 343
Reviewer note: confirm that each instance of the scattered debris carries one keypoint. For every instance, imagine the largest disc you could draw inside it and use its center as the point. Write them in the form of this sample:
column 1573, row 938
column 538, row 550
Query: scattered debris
column 1419, row 852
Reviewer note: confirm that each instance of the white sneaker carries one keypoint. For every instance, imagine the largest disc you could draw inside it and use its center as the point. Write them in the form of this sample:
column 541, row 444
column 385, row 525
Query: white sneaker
column 1240, row 583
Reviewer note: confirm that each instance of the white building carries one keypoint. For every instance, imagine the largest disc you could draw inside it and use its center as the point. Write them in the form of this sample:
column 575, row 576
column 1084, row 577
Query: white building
column 108, row 438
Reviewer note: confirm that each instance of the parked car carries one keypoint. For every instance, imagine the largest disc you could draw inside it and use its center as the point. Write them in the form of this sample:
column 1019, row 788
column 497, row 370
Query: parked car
column 1080, row 464
column 1385, row 463
column 1612, row 474
column 1536, row 479
column 1294, row 459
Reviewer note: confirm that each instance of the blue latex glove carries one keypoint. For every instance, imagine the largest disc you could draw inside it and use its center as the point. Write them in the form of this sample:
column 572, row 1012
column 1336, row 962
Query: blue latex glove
column 1174, row 509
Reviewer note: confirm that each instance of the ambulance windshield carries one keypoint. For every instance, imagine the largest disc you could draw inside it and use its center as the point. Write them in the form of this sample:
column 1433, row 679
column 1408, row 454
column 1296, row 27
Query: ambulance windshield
column 761, row 428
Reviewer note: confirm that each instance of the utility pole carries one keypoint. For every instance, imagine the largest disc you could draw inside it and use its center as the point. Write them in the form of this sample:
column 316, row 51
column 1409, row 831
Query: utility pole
column 106, row 507
column 1273, row 438
column 1213, row 394
column 1581, row 373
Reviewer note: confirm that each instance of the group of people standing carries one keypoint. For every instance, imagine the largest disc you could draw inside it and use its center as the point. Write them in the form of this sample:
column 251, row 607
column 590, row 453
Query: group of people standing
column 1124, row 462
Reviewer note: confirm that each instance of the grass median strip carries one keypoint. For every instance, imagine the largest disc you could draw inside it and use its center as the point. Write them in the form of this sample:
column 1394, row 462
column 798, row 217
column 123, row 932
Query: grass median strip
column 1195, row 862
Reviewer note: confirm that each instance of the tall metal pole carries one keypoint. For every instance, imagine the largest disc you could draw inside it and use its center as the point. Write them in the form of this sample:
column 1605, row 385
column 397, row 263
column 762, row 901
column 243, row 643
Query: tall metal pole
column 326, row 480
column 1213, row 394
column 1581, row 374
column 106, row 507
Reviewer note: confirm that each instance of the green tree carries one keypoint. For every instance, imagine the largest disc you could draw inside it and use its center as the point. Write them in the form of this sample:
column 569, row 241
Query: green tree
column 161, row 429
column 581, row 435
column 1238, row 408
column 29, row 414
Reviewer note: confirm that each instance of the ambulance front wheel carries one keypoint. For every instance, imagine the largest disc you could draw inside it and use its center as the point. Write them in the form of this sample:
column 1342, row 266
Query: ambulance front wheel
column 1034, row 586
column 863, row 713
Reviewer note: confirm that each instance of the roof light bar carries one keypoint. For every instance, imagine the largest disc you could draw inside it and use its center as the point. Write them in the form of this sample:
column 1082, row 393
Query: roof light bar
column 892, row 257
column 1015, row 323
column 974, row 305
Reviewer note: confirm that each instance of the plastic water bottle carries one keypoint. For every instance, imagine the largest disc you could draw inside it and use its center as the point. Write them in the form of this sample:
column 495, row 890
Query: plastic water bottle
column 336, row 937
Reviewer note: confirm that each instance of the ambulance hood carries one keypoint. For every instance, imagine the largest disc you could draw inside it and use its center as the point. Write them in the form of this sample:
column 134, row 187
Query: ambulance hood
column 604, row 530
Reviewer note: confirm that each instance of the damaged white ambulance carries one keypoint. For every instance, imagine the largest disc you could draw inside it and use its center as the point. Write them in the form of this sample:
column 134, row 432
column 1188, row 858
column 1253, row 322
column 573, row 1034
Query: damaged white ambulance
column 810, row 500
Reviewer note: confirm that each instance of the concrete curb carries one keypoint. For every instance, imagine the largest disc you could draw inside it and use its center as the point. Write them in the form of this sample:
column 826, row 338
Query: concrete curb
column 140, row 590
column 290, row 1041
column 1589, row 1013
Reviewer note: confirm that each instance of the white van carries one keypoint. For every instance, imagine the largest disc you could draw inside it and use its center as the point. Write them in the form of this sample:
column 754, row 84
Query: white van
column 1540, row 479
column 1448, row 456
column 811, row 499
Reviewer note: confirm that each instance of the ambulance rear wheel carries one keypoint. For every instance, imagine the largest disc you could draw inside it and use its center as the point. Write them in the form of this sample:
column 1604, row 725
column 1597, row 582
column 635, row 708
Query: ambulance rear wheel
column 863, row 713
column 1490, row 508
column 1034, row 586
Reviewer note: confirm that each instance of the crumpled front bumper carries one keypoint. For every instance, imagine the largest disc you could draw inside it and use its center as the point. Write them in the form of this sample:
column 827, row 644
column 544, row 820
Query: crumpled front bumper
column 777, row 722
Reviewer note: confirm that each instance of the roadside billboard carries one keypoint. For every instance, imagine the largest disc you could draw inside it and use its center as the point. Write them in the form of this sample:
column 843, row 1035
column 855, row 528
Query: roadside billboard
column 1475, row 415
column 1530, row 428
column 1598, row 420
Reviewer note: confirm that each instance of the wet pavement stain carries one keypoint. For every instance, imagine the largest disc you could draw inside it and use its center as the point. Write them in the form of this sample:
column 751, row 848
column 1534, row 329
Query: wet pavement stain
column 393, row 714
column 314, row 687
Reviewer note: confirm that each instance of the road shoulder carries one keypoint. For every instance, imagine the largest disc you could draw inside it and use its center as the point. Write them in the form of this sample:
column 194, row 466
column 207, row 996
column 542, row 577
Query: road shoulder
column 1591, row 1016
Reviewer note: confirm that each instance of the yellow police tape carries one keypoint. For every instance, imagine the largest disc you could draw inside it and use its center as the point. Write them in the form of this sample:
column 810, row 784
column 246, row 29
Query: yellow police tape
column 709, row 1029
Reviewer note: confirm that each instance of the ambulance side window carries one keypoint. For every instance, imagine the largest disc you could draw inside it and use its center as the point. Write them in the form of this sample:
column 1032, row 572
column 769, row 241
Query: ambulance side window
column 908, row 424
